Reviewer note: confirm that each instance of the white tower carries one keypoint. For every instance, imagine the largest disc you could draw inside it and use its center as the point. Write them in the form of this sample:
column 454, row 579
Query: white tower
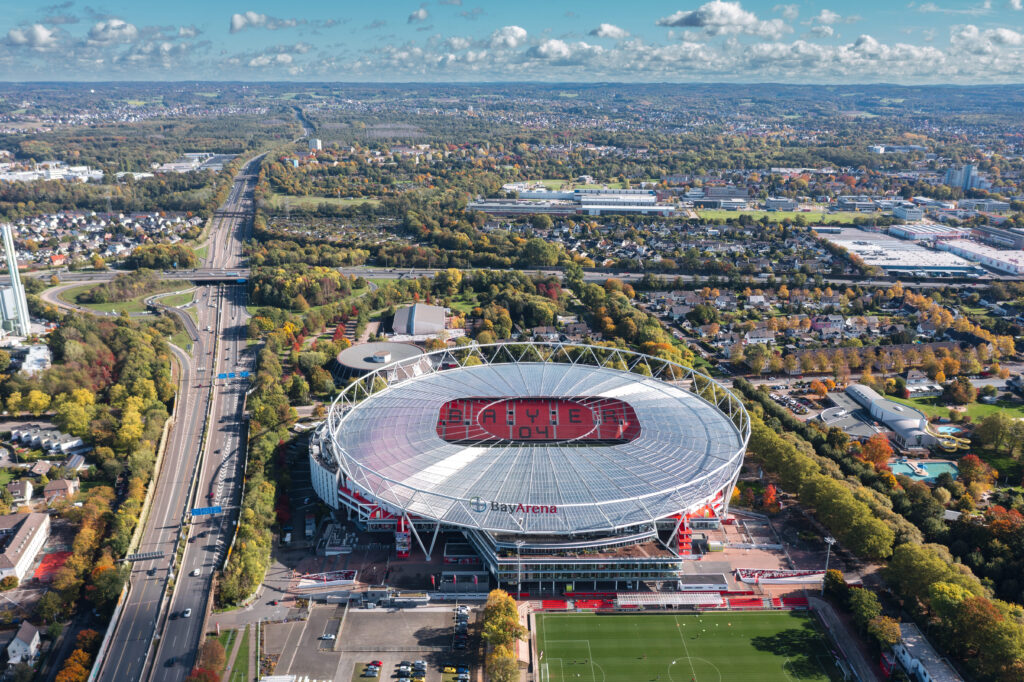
column 21, row 320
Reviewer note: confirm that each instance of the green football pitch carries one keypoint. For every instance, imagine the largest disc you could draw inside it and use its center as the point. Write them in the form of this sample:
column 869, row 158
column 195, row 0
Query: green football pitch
column 775, row 646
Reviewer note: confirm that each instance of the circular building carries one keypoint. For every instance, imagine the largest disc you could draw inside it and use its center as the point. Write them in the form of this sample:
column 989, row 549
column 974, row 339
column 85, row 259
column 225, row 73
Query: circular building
column 556, row 461
column 355, row 361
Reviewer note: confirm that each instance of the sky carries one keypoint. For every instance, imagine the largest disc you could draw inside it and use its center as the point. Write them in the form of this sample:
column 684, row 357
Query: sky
column 793, row 41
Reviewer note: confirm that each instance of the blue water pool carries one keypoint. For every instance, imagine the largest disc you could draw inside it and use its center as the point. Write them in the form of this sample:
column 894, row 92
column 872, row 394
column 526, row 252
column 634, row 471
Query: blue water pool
column 951, row 430
column 932, row 470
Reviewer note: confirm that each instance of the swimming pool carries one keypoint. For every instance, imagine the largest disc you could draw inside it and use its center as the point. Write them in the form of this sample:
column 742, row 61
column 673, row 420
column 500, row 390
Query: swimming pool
column 932, row 470
column 949, row 430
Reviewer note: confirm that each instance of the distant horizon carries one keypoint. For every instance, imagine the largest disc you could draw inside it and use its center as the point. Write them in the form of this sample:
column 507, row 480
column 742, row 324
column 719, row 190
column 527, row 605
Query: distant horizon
column 567, row 83
column 744, row 41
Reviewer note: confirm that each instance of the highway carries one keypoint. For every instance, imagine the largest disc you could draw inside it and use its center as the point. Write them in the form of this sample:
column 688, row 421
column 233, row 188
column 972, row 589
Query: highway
column 220, row 329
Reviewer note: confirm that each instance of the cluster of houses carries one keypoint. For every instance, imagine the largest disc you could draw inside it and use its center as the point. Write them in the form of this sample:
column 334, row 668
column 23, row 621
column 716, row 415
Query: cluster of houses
column 54, row 240
column 805, row 333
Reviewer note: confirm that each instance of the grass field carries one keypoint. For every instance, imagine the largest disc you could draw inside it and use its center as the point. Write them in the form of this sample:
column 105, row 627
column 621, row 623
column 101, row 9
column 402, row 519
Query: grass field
column 811, row 217
column 132, row 305
column 178, row 300
column 240, row 671
column 719, row 647
column 976, row 411
column 279, row 201
column 202, row 251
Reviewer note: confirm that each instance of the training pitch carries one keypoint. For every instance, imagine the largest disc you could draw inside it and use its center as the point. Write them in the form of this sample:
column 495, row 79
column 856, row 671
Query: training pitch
column 720, row 647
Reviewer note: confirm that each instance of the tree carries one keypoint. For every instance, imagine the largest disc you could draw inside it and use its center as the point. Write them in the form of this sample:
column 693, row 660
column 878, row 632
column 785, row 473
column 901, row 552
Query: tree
column 211, row 655
column 88, row 640
column 973, row 470
column 8, row 583
column 885, row 630
column 877, row 451
column 995, row 429
column 37, row 402
column 836, row 587
column 502, row 665
column 14, row 403
column 960, row 391
column 864, row 606
column 819, row 388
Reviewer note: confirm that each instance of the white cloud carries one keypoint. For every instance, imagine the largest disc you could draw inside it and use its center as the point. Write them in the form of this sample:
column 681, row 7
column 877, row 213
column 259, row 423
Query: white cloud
column 252, row 19
column 826, row 18
column 725, row 18
column 112, row 31
column 823, row 30
column 458, row 43
column 789, row 12
column 991, row 41
column 509, row 37
column 270, row 60
column 552, row 49
column 36, row 36
column 609, row 31
column 419, row 15
column 930, row 7
column 1016, row 4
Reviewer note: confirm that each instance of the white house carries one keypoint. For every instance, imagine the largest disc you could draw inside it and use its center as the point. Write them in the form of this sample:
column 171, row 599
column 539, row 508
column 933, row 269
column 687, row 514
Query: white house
column 21, row 536
column 919, row 658
column 25, row 645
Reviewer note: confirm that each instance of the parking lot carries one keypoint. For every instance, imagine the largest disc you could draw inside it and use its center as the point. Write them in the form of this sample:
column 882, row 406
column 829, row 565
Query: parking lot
column 386, row 635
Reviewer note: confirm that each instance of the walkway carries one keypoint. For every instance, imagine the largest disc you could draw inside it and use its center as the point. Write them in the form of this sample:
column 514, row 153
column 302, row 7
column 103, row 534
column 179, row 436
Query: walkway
column 846, row 640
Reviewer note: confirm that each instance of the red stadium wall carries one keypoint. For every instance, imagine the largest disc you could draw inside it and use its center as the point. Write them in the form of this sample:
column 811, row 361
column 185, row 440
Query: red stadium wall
column 537, row 420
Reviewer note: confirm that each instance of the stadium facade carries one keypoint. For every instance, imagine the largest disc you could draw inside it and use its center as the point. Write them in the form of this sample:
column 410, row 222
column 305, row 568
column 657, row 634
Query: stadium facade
column 557, row 462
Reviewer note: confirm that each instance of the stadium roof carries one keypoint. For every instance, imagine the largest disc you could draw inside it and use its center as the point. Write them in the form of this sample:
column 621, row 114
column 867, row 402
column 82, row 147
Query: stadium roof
column 686, row 451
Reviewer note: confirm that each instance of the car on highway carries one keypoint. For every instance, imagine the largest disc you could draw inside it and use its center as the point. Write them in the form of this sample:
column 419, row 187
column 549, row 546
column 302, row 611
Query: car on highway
column 196, row 573
column 151, row 571
column 327, row 637
column 169, row 663
column 187, row 613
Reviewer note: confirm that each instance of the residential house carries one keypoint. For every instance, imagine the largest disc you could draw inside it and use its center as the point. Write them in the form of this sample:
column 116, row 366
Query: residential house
column 21, row 491
column 829, row 326
column 40, row 468
column 760, row 335
column 576, row 331
column 24, row 648
column 61, row 489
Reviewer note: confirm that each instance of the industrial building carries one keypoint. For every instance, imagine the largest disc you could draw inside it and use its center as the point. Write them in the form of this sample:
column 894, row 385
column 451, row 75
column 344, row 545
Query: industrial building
column 780, row 204
column 577, row 202
column 1011, row 262
column 902, row 257
column 929, row 232
column 908, row 212
column 554, row 463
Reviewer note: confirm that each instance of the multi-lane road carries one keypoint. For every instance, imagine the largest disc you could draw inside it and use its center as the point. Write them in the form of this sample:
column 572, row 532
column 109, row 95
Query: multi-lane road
column 151, row 631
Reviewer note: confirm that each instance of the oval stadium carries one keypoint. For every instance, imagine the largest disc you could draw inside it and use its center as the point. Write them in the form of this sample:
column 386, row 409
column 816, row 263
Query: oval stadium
column 556, row 462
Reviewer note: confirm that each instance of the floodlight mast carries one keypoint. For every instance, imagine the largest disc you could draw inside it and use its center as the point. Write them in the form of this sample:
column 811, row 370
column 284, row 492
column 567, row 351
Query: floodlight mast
column 20, row 302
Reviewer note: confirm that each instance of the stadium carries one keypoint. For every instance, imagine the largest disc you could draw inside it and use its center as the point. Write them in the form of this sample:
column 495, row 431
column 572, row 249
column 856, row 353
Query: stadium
column 557, row 462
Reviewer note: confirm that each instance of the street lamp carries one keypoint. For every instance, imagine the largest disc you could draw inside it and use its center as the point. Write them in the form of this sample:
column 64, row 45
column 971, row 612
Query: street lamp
column 829, row 540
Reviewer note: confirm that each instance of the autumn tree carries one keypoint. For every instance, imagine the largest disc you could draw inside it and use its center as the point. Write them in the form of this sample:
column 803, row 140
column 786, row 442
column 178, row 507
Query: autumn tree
column 877, row 451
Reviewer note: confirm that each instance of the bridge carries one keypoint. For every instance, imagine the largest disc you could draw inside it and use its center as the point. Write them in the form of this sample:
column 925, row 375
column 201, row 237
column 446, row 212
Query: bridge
column 230, row 275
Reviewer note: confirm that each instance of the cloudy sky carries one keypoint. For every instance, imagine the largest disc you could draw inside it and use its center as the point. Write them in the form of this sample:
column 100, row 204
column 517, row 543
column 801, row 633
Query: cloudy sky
column 816, row 41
